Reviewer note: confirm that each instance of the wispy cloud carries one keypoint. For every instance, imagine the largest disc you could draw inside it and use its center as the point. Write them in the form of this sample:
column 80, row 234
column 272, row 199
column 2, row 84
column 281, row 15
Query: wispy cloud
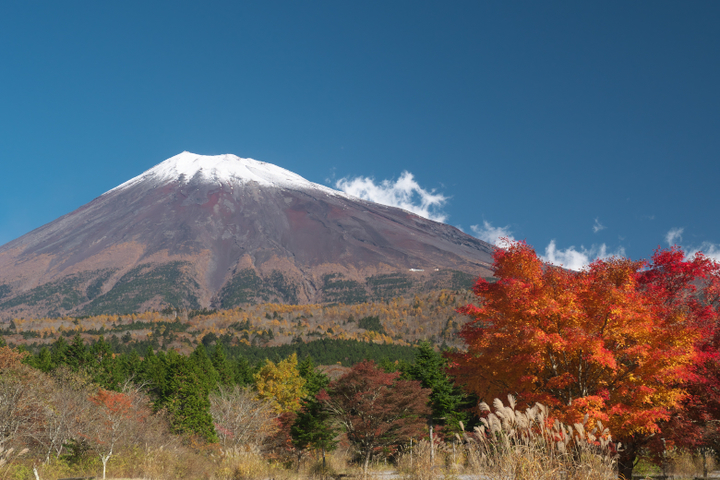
column 404, row 193
column 598, row 226
column 490, row 234
column 577, row 259
column 674, row 236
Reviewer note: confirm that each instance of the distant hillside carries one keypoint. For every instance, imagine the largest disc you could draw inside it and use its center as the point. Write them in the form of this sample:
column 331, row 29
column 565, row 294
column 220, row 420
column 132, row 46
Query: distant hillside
column 399, row 321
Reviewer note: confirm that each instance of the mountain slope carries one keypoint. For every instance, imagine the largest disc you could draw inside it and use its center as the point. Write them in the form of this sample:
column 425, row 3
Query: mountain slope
column 198, row 231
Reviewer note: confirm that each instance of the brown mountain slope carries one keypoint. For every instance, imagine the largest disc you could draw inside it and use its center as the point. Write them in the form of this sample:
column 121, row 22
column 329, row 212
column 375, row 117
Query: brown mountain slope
column 199, row 231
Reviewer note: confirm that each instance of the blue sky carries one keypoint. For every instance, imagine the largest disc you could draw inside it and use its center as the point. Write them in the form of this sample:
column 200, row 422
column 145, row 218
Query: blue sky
column 588, row 126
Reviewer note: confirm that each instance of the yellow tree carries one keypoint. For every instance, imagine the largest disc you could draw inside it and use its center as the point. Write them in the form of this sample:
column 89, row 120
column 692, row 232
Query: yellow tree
column 281, row 384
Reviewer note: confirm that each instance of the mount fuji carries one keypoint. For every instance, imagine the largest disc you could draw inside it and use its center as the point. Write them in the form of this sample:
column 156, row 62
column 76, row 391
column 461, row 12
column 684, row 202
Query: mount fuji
column 220, row 231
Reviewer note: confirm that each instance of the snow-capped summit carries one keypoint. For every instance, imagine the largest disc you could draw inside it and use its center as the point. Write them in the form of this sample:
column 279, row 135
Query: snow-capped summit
column 223, row 169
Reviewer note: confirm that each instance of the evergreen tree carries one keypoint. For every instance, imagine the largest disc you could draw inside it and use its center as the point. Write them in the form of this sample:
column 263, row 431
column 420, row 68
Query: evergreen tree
column 77, row 355
column 222, row 366
column 205, row 368
column 187, row 401
column 153, row 372
column 43, row 361
column 313, row 428
column 129, row 365
column 314, row 380
column 103, row 368
column 243, row 372
column 446, row 400
column 59, row 352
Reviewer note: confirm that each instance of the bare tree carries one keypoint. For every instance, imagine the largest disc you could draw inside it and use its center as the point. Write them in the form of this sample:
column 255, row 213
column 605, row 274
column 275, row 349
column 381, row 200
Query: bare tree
column 64, row 405
column 240, row 417
column 19, row 403
column 114, row 421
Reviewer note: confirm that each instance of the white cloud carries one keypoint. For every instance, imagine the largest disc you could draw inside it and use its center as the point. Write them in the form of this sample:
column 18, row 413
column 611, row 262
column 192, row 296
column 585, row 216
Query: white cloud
column 674, row 236
column 404, row 193
column 710, row 250
column 490, row 234
column 598, row 226
column 577, row 259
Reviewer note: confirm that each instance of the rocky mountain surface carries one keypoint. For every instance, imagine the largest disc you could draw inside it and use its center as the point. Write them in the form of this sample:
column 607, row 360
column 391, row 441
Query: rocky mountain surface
column 220, row 231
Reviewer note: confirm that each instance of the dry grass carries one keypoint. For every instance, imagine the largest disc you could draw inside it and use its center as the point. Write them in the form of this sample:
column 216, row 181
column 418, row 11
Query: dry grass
column 509, row 445
column 514, row 444
column 517, row 445
column 682, row 464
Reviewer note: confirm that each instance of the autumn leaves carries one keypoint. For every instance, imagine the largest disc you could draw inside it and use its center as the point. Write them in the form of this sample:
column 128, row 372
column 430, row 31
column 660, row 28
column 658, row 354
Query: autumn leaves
column 619, row 341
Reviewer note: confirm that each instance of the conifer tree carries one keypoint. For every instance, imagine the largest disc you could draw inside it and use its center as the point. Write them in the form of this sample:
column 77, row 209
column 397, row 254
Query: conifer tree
column 446, row 399
column 129, row 365
column 186, row 399
column 313, row 428
column 78, row 355
column 153, row 371
column 207, row 372
column 59, row 352
column 102, row 367
column 243, row 373
column 314, row 380
column 222, row 365
column 43, row 360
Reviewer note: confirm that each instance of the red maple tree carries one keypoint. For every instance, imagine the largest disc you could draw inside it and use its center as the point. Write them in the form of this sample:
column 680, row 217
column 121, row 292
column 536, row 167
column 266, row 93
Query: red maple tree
column 690, row 286
column 618, row 341
column 376, row 409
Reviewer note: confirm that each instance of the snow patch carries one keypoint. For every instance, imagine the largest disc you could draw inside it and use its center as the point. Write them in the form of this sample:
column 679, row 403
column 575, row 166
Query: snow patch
column 223, row 169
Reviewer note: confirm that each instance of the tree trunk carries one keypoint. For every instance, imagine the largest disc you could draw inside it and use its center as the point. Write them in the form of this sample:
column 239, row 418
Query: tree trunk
column 104, row 459
column 367, row 460
column 411, row 453
column 626, row 462
column 324, row 466
column 432, row 445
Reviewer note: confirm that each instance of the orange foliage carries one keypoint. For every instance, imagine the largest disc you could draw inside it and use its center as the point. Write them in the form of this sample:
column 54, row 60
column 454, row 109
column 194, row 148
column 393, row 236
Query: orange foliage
column 590, row 342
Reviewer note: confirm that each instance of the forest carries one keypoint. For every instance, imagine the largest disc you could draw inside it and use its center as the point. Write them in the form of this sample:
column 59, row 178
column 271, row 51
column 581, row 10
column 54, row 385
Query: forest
column 402, row 321
column 591, row 374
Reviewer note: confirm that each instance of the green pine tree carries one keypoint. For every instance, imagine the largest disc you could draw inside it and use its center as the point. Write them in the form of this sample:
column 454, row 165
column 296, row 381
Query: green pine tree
column 243, row 372
column 78, row 356
column 313, row 428
column 314, row 380
column 103, row 368
column 187, row 400
column 206, row 370
column 43, row 361
column 59, row 352
column 446, row 399
column 222, row 365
